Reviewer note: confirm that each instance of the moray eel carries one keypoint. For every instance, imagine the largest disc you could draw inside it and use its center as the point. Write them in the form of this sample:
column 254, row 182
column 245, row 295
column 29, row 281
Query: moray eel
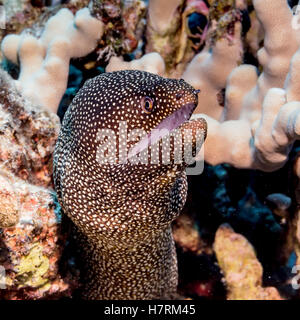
column 123, row 209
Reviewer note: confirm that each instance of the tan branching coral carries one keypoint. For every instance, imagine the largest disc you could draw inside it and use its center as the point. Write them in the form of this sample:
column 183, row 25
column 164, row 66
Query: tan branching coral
column 253, row 117
column 151, row 62
column 209, row 70
column 161, row 13
column 274, row 58
column 44, row 62
column 168, row 34
column 265, row 145
column 260, row 123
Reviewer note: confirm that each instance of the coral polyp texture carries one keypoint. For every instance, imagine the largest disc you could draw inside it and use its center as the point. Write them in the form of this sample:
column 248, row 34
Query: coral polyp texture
column 31, row 240
column 228, row 67
column 242, row 270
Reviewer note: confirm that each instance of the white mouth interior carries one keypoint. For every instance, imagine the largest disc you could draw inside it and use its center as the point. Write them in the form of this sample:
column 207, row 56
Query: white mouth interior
column 164, row 128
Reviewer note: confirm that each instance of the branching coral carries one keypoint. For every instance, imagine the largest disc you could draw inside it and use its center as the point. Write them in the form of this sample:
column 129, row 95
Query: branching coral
column 252, row 114
column 274, row 58
column 263, row 146
column 262, row 119
column 44, row 62
column 209, row 70
column 259, row 122
column 161, row 14
column 151, row 62
column 167, row 32
column 32, row 14
column 266, row 126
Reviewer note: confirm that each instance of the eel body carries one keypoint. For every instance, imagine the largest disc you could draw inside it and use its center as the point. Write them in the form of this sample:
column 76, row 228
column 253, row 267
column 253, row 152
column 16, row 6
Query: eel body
column 120, row 194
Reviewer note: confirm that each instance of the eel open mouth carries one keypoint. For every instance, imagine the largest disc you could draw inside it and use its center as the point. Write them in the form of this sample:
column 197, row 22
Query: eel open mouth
column 164, row 128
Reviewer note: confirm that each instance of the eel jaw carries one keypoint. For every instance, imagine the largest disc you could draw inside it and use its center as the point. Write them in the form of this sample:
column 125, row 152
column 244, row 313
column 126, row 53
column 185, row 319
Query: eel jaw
column 173, row 121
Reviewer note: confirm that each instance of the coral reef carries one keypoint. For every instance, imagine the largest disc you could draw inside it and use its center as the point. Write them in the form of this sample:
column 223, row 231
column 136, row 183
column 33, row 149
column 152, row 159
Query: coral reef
column 168, row 31
column 28, row 135
column 32, row 15
column 151, row 62
column 124, row 26
column 163, row 27
column 186, row 235
column 32, row 243
column 244, row 58
column 249, row 110
column 261, row 117
column 203, row 72
column 31, row 239
column 40, row 59
column 242, row 271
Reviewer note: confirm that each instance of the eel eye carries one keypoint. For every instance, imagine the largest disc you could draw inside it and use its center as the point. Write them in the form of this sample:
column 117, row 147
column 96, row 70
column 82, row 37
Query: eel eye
column 147, row 104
